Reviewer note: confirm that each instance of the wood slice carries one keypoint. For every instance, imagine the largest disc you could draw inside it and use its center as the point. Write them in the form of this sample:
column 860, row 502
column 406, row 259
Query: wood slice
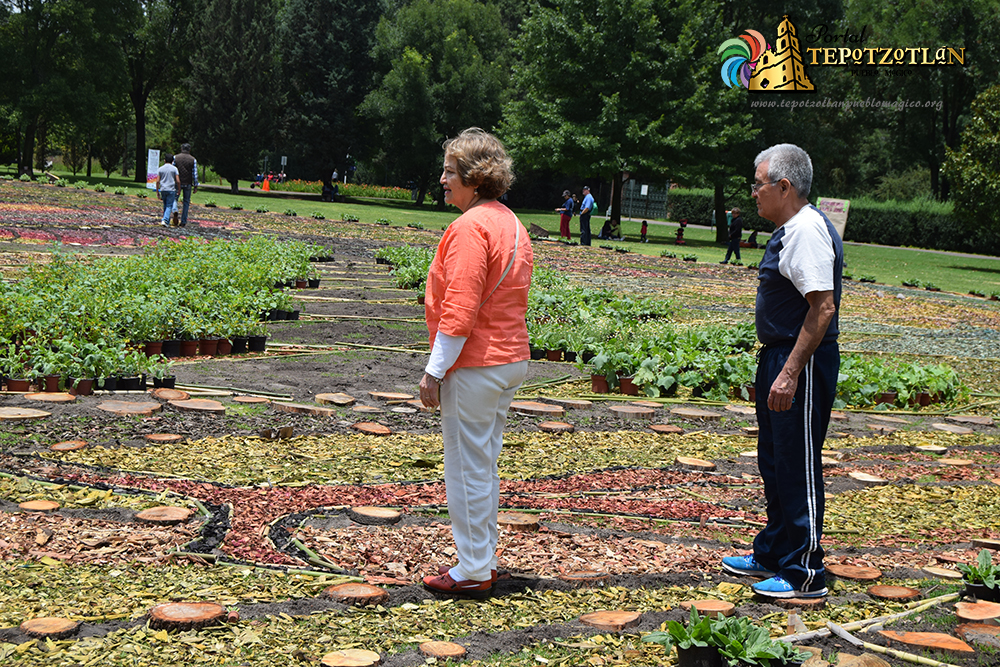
column 165, row 516
column 556, row 427
column 167, row 394
column 404, row 411
column 366, row 409
column 741, row 409
column 889, row 419
column 977, row 611
column 666, row 429
column 966, row 629
column 20, row 414
column 299, row 408
column 714, row 608
column 882, row 429
column 866, row 479
column 185, row 615
column 611, row 621
column 50, row 627
column 164, row 438
column 569, row 403
column 374, row 516
column 931, row 449
column 935, row 640
column 828, row 462
column 68, row 446
column 695, row 413
column 805, row 604
column 340, row 399
column 647, row 404
column 126, row 408
column 983, row 543
column 537, row 409
column 371, row 428
column 942, row 572
column 251, row 400
column 837, row 415
column 585, row 578
column 352, row 657
column 203, row 405
column 863, row 660
column 895, row 593
column 952, row 428
column 390, row 396
column 442, row 650
column 955, row 462
column 356, row 593
column 420, row 406
column 979, row 420
column 519, row 522
column 749, row 454
column 690, row 463
column 855, row 572
column 751, row 430
column 632, row 412
column 39, row 505
column 833, row 454
column 52, row 397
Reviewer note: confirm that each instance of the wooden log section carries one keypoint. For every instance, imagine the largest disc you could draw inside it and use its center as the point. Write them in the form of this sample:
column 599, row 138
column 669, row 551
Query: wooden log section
column 856, row 572
column 666, row 429
column 611, row 621
column 163, row 438
column 632, row 411
column 697, row 465
column 866, row 479
column 374, row 516
column 442, row 650
column 942, row 572
column 390, row 396
column 714, row 608
column 203, row 405
column 166, row 394
column 372, row 428
column 251, row 400
column 341, row 399
column 934, row 640
column 127, row 408
column 68, row 446
column 586, row 578
column 50, row 627
column 51, row 397
column 519, row 522
column 165, row 516
column 555, row 427
column 895, row 593
column 357, row 594
column 977, row 612
column 39, row 505
column 805, row 604
column 352, row 657
column 966, row 629
column 185, row 615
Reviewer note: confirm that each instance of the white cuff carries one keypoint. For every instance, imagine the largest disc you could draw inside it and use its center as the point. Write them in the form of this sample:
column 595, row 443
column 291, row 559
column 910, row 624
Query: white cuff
column 444, row 354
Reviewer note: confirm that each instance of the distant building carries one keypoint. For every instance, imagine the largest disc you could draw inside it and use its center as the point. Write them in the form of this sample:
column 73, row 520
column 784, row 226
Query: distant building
column 780, row 67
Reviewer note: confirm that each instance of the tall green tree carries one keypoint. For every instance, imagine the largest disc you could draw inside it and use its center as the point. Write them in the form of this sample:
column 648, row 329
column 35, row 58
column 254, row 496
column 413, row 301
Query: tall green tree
column 233, row 96
column 974, row 168
column 157, row 52
column 442, row 67
column 326, row 71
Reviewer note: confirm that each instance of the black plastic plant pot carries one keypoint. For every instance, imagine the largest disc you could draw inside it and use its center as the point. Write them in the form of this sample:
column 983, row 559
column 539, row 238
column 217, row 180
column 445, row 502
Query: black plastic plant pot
column 257, row 343
column 239, row 344
column 699, row 656
column 314, row 283
column 537, row 354
column 171, row 348
column 982, row 592
column 164, row 383
column 109, row 384
column 294, row 315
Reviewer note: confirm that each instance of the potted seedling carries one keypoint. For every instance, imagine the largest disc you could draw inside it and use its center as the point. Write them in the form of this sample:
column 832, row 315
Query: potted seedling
column 159, row 368
column 982, row 578
column 16, row 366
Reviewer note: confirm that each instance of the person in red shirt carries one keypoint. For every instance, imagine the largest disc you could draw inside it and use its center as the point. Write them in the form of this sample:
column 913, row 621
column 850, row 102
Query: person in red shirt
column 476, row 299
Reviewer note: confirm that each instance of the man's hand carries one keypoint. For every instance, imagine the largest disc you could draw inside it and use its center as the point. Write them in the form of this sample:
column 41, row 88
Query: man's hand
column 782, row 392
column 430, row 392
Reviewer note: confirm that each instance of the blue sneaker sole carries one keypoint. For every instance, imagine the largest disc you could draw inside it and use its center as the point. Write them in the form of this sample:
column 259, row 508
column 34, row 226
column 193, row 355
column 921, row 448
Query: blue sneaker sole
column 764, row 574
column 791, row 594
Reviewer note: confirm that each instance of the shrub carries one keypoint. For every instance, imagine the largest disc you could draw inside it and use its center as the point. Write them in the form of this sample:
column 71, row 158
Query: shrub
column 317, row 215
column 349, row 217
column 24, row 178
column 80, row 185
column 236, row 207
column 120, row 191
column 210, row 203
column 99, row 188
column 261, row 209
column 290, row 212
column 385, row 222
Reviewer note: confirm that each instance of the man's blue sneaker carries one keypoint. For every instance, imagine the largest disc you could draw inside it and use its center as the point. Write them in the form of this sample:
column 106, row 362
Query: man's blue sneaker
column 745, row 565
column 776, row 587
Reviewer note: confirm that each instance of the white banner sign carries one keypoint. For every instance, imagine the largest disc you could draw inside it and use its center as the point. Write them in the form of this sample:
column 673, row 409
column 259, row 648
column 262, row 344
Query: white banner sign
column 836, row 210
column 152, row 166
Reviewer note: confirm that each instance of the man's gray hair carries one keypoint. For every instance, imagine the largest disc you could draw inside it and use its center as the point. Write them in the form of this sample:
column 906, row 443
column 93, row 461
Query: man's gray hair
column 185, row 148
column 788, row 161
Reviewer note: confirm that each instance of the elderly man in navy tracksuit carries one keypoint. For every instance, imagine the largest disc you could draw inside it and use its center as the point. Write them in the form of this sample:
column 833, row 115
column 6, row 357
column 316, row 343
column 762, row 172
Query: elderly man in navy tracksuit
column 798, row 299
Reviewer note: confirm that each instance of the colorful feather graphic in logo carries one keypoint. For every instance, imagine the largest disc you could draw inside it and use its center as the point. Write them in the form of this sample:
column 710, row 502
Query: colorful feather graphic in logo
column 739, row 57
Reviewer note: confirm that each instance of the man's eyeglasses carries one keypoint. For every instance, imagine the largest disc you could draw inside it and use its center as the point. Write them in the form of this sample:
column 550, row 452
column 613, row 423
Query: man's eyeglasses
column 754, row 187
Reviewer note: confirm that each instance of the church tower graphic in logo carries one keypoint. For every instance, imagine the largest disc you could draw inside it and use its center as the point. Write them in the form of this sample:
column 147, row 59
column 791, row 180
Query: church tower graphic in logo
column 780, row 67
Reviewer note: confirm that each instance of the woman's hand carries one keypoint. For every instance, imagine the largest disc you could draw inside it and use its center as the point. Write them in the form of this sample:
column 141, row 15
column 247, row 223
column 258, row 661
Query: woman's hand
column 430, row 391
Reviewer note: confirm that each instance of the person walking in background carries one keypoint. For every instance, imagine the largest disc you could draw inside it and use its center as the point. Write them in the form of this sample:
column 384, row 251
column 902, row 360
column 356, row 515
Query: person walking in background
column 166, row 188
column 735, row 236
column 566, row 214
column 476, row 300
column 586, row 209
column 798, row 299
column 187, row 168
column 642, row 232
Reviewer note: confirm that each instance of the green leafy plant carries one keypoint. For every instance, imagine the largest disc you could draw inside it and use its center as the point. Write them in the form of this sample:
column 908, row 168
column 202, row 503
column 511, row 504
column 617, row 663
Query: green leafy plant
column 210, row 203
column 385, row 222
column 697, row 633
column 912, row 282
column 690, row 258
column 61, row 183
column 318, row 216
column 24, row 178
column 120, row 191
column 236, row 206
column 79, row 185
column 261, row 209
column 348, row 217
column 668, row 254
column 141, row 194
column 290, row 212
column 415, row 225
column 931, row 287
column 983, row 571
column 865, row 278
column 99, row 188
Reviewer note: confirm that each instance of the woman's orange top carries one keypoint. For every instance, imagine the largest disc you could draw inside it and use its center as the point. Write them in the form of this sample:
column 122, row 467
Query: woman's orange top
column 470, row 259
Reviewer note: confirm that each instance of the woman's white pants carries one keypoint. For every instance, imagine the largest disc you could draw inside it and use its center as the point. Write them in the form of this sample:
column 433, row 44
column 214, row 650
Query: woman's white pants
column 474, row 402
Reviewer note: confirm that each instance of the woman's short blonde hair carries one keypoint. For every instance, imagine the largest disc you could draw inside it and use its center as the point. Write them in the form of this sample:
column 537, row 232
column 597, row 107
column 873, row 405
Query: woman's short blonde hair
column 482, row 162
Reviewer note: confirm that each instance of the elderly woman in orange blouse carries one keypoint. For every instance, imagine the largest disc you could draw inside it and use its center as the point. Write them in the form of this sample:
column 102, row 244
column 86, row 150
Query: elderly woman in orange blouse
column 475, row 300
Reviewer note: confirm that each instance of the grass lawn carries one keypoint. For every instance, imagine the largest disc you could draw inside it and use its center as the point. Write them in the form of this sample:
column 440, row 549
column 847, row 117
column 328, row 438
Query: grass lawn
column 887, row 265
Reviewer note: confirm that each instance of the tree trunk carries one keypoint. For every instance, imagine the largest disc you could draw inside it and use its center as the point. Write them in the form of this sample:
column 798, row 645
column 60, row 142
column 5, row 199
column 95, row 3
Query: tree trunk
column 616, row 199
column 125, row 152
column 234, row 185
column 139, row 97
column 90, row 158
column 721, row 224
column 24, row 162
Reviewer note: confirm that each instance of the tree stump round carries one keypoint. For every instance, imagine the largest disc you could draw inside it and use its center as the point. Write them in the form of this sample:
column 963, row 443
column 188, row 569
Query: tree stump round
column 443, row 650
column 164, row 438
column 374, row 516
column 68, row 446
column 697, row 465
column 805, row 604
column 714, row 608
column 942, row 572
column 202, row 405
column 855, row 572
column 165, row 394
column 931, row 449
column 39, row 505
column 556, row 427
column 966, row 629
column 186, row 615
column 519, row 522
column 935, row 640
column 646, row 404
column 357, row 594
column 339, row 399
column 251, row 400
column 21, row 414
column 977, row 612
column 632, row 412
column 585, row 578
column 367, row 409
column 894, row 593
column 371, row 428
column 165, row 516
column 128, row 408
column 50, row 627
column 390, row 396
column 666, row 429
column 51, row 397
column 537, row 409
column 961, row 463
column 611, row 621
column 866, row 479
column 352, row 657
